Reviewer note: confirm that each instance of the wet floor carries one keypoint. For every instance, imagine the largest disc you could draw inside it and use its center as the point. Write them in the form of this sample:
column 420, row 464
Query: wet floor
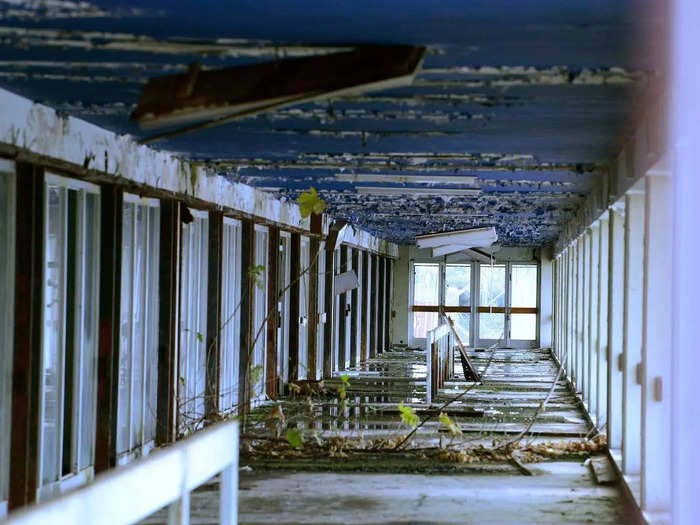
column 438, row 476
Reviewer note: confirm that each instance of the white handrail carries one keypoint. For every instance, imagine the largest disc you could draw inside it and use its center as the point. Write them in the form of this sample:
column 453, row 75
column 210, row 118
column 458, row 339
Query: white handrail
column 130, row 493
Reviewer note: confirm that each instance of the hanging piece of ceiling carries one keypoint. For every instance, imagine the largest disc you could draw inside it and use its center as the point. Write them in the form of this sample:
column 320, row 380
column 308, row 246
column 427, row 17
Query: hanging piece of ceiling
column 205, row 98
column 446, row 243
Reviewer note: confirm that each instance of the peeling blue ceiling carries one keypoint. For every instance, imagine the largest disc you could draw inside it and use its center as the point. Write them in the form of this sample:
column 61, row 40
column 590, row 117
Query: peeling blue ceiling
column 521, row 100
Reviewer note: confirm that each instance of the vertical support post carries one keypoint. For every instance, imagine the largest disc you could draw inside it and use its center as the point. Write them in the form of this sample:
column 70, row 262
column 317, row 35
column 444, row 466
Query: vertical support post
column 214, row 280
column 364, row 306
column 593, row 323
column 179, row 510
column 111, row 208
column 632, row 341
column 273, row 318
column 342, row 315
column 168, row 293
column 26, row 360
column 246, row 314
column 387, row 304
column 381, row 283
column 228, row 490
column 603, row 320
column 354, row 298
column 616, row 309
column 657, row 323
column 373, row 298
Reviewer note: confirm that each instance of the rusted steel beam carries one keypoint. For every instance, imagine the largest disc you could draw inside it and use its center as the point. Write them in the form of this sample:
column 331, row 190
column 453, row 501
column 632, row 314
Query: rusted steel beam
column 294, row 297
column 246, row 314
column 111, row 209
column 214, row 280
column 168, row 294
column 26, row 359
column 273, row 320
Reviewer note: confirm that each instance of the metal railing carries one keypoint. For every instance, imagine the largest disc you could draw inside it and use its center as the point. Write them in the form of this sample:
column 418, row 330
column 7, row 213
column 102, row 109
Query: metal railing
column 130, row 493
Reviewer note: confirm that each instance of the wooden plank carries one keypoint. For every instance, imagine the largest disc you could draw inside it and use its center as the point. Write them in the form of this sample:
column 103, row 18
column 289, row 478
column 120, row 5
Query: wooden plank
column 466, row 363
column 111, row 210
column 250, row 89
column 26, row 360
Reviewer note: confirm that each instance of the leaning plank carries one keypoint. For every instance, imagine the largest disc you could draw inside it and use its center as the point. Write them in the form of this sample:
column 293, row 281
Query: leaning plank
column 466, row 363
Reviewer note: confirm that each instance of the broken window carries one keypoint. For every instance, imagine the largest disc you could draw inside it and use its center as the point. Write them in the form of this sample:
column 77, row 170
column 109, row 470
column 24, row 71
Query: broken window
column 69, row 338
column 138, row 326
column 492, row 300
column 458, row 284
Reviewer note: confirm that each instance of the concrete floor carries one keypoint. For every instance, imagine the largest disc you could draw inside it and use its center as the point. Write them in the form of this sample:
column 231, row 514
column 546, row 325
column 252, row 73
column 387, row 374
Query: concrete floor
column 281, row 485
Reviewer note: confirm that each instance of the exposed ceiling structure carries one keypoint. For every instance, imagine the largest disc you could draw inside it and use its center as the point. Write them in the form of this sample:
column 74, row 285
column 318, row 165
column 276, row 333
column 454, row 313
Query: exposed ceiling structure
column 516, row 107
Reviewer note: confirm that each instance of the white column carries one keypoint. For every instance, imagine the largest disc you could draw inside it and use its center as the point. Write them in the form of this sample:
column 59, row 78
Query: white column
column 656, row 403
column 592, row 386
column 631, row 387
column 546, row 285
column 616, row 309
column 603, row 290
column 685, row 344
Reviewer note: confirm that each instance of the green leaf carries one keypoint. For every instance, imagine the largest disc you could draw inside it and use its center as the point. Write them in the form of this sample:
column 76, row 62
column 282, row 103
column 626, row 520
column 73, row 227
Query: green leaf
column 257, row 373
column 450, row 424
column 345, row 378
column 408, row 415
column 294, row 438
column 256, row 273
column 309, row 202
column 199, row 336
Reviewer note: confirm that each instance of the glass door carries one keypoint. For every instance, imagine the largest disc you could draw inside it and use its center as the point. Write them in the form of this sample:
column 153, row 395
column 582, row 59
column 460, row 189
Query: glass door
column 523, row 305
column 426, row 301
column 492, row 305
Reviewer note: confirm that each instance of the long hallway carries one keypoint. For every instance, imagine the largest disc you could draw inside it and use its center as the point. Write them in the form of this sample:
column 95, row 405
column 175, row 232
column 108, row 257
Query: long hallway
column 511, row 461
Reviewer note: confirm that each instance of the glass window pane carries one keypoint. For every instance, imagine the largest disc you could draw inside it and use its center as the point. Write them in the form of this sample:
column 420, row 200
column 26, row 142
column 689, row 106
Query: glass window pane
column 523, row 326
column 259, row 321
column 524, row 286
column 126, row 315
column 426, row 285
column 52, row 336
column 491, row 326
column 492, row 285
column 461, row 322
column 423, row 322
column 90, row 294
column 458, row 285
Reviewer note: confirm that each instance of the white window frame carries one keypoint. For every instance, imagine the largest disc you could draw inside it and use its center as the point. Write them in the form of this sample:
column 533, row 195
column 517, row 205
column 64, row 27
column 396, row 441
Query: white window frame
column 474, row 335
column 304, row 300
column 144, row 345
column 230, row 331
column 283, row 305
column 80, row 472
column 193, row 323
column 259, row 351
column 7, row 298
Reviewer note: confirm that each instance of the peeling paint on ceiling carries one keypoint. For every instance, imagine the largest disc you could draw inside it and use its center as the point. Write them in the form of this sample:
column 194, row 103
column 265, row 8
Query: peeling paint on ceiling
column 525, row 107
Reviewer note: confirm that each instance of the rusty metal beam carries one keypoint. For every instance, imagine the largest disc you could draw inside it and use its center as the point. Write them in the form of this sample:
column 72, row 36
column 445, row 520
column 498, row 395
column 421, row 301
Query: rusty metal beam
column 213, row 338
